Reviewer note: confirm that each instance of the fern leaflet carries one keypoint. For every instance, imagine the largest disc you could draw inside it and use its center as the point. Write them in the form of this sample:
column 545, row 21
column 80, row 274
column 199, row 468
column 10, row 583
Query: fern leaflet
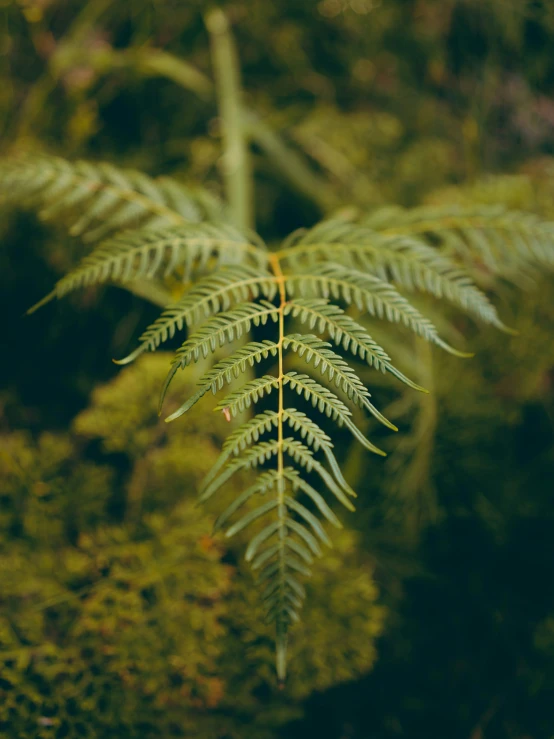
column 97, row 198
column 149, row 254
column 493, row 234
column 408, row 261
column 208, row 296
column 368, row 293
column 346, row 332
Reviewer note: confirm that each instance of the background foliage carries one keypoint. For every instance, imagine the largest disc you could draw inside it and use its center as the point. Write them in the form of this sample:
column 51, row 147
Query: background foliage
column 119, row 614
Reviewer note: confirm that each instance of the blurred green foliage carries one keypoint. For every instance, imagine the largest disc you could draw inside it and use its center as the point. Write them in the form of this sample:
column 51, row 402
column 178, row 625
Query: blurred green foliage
column 119, row 614
column 142, row 625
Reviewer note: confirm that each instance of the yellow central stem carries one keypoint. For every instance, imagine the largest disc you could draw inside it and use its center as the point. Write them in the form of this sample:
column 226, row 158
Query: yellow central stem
column 280, row 279
column 281, row 628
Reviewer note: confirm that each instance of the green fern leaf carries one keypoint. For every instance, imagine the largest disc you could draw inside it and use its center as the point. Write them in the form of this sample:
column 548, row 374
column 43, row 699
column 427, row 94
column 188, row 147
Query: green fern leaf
column 241, row 399
column 304, row 456
column 265, row 422
column 252, row 457
column 248, row 286
column 309, row 517
column 501, row 238
column 408, row 261
column 333, row 365
column 317, row 439
column 297, row 483
column 224, row 328
column 265, row 482
column 149, row 254
column 224, row 371
column 96, row 199
column 246, row 434
column 308, row 429
column 327, row 402
column 346, row 332
column 250, row 517
column 367, row 293
column 208, row 296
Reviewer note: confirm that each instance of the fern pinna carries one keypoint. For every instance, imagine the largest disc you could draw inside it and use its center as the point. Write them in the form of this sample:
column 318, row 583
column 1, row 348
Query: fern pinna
column 158, row 230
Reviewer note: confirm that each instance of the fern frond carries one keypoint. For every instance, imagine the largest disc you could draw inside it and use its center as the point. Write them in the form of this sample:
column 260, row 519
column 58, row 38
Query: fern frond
column 247, row 433
column 148, row 254
column 309, row 517
column 265, row 422
column 208, row 296
column 284, row 547
column 250, row 431
column 317, row 439
column 228, row 369
column 298, row 483
column 241, row 399
column 251, row 516
column 312, row 349
column 249, row 458
column 265, row 482
column 346, row 332
column 499, row 237
column 329, row 404
column 304, row 456
column 408, row 261
column 308, row 429
column 367, row 293
column 224, row 328
column 225, row 371
column 96, row 198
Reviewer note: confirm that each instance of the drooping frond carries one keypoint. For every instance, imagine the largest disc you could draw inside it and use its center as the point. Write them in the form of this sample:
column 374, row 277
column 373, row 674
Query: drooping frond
column 500, row 238
column 247, row 433
column 250, row 457
column 303, row 531
column 329, row 318
column 147, row 254
column 317, row 439
column 95, row 199
column 239, row 400
column 265, row 482
column 265, row 422
column 308, row 429
column 305, row 457
column 208, row 296
column 225, row 371
column 367, row 293
column 318, row 352
column 285, row 546
column 328, row 403
column 250, row 431
column 224, row 328
column 298, row 483
column 406, row 260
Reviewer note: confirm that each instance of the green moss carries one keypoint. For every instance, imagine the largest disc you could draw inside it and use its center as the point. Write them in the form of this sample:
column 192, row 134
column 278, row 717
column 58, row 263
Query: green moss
column 146, row 627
